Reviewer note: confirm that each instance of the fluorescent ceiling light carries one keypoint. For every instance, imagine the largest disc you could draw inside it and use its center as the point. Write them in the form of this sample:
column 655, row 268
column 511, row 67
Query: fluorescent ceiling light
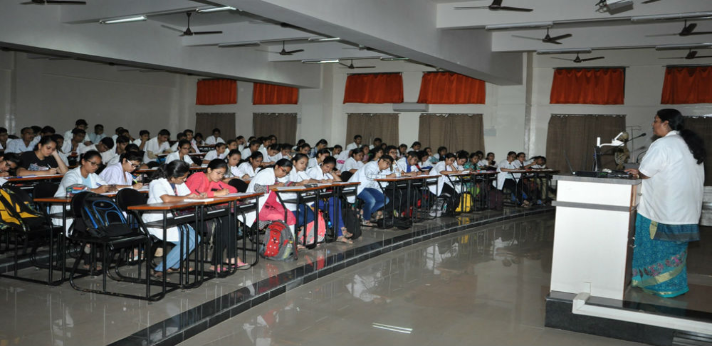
column 677, row 16
column 392, row 59
column 392, row 328
column 123, row 20
column 330, row 61
column 564, row 51
column 323, row 39
column 215, row 9
column 239, row 44
column 684, row 46
column 532, row 25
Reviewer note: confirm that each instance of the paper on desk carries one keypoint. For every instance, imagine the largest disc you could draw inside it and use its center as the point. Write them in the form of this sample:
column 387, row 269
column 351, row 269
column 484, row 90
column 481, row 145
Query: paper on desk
column 3, row 181
column 239, row 194
column 282, row 188
column 198, row 199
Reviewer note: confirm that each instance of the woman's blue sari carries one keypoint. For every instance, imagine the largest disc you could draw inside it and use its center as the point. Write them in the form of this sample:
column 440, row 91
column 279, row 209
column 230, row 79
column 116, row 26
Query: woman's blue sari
column 660, row 256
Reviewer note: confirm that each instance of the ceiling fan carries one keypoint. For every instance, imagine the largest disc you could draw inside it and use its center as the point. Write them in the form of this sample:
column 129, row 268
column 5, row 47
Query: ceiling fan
column 188, row 32
column 495, row 6
column 547, row 38
column 691, row 55
column 289, row 52
column 578, row 59
column 54, row 2
column 687, row 30
column 351, row 65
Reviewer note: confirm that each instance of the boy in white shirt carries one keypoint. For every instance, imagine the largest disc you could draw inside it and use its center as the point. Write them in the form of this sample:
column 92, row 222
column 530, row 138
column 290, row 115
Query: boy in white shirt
column 247, row 152
column 98, row 133
column 79, row 124
column 215, row 138
column 155, row 146
column 104, row 147
column 218, row 153
column 355, row 144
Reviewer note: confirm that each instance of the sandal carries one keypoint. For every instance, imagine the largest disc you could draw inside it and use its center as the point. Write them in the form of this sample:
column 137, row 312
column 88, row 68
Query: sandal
column 346, row 233
column 365, row 223
column 158, row 275
column 343, row 239
column 242, row 265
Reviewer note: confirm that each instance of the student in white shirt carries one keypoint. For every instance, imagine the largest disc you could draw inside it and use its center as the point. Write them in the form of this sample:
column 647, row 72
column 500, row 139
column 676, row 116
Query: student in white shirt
column 60, row 141
column 169, row 186
column 321, row 144
column 181, row 154
column 119, row 174
column 285, row 151
column 84, row 174
column 511, row 181
column 119, row 149
column 368, row 190
column 355, row 162
column 79, row 124
column 241, row 143
column 305, row 148
column 336, row 151
column 104, row 147
column 233, row 159
column 444, row 189
column 199, row 141
column 98, row 133
column 439, row 155
column 376, row 143
column 273, row 154
column 318, row 158
column 180, row 136
column 193, row 145
column 356, row 143
column 219, row 152
column 248, row 169
column 215, row 138
column 253, row 147
column 155, row 146
column 409, row 164
column 75, row 142
column 23, row 144
column 143, row 138
column 324, row 174
column 415, row 147
column 117, row 133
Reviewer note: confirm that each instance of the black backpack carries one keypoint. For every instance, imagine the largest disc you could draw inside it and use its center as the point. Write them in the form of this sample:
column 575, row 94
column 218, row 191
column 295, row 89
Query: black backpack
column 351, row 221
column 102, row 217
column 397, row 222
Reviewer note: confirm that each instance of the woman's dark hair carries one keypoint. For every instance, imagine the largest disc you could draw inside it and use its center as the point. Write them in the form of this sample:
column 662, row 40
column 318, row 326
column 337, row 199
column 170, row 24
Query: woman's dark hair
column 322, row 141
column 220, row 145
column 44, row 141
column 475, row 154
column 355, row 152
column 462, row 154
column 338, row 146
column 299, row 156
column 511, row 153
column 175, row 169
column 90, row 155
column 422, row 154
column 323, row 151
column 479, row 152
column 217, row 164
column 233, row 152
column 255, row 155
column 387, row 158
column 415, row 143
column 132, row 147
column 275, row 147
column 164, row 132
column 198, row 135
column 12, row 157
column 329, row 160
column 183, row 142
column 303, row 145
column 376, row 150
column 441, row 149
column 131, row 156
column 448, row 156
column 144, row 132
column 284, row 163
column 677, row 123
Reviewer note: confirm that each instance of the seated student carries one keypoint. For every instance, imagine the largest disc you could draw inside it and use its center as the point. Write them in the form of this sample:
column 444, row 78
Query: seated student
column 60, row 142
column 79, row 124
column 219, row 152
column 285, row 151
column 305, row 148
column 273, row 154
column 233, row 159
column 119, row 149
column 402, row 150
column 143, row 137
column 231, row 144
column 117, row 133
column 211, row 184
column 366, row 154
column 199, row 141
column 488, row 162
column 248, row 169
column 3, row 138
column 318, row 158
column 321, row 144
column 471, row 164
column 37, row 131
column 299, row 144
column 215, row 138
column 376, row 143
column 156, row 146
column 44, row 160
column 439, row 156
column 75, row 143
column 264, row 143
column 8, row 164
column 424, row 163
column 324, row 174
column 189, row 136
column 408, row 165
column 354, row 162
column 182, row 153
column 119, row 173
column 356, row 143
column 511, row 181
column 539, row 162
column 336, row 151
column 126, row 133
column 104, row 147
column 22, row 144
column 168, row 186
column 45, row 131
column 298, row 175
column 368, row 190
column 446, row 192
column 241, row 142
column 179, row 137
column 523, row 162
column 376, row 154
column 415, row 146
column 253, row 147
column 269, row 208
column 134, row 148
column 98, row 134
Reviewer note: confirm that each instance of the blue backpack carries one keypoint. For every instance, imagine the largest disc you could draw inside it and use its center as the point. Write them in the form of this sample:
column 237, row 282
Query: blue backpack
column 102, row 217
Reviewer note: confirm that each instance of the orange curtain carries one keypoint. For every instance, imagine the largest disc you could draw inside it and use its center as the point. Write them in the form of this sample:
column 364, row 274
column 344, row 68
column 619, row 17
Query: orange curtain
column 604, row 86
column 687, row 85
column 216, row 92
column 270, row 94
column 374, row 88
column 451, row 88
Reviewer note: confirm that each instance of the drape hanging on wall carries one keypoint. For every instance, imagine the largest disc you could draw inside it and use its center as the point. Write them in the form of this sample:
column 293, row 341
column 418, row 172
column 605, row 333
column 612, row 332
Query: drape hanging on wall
column 575, row 135
column 374, row 88
column 282, row 125
column 703, row 128
column 684, row 85
column 216, row 92
column 270, row 94
column 206, row 122
column 451, row 88
column 372, row 125
column 604, row 86
column 454, row 131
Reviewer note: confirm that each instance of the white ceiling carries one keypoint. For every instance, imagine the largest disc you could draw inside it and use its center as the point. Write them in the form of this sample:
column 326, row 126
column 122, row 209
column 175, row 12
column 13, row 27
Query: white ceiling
column 429, row 31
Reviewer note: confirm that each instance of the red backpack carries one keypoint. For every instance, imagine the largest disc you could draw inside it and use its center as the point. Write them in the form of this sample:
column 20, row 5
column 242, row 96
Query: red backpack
column 278, row 242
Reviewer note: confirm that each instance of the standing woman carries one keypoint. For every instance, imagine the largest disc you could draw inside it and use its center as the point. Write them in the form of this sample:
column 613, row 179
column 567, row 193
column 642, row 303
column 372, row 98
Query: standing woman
column 670, row 206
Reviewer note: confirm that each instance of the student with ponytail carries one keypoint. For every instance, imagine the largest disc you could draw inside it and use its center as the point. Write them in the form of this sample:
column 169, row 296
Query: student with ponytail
column 670, row 206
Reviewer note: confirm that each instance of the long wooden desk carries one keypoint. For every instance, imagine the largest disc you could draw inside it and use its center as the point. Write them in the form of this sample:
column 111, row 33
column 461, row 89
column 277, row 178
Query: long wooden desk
column 400, row 183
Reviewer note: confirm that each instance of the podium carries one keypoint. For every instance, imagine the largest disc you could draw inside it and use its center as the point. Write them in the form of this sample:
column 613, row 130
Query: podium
column 594, row 235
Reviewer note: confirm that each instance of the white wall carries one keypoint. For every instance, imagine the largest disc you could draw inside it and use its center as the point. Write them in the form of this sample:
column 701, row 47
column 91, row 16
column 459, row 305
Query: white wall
column 644, row 83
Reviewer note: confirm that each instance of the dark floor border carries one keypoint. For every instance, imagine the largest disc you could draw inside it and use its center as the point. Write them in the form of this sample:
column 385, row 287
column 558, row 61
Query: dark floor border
column 185, row 325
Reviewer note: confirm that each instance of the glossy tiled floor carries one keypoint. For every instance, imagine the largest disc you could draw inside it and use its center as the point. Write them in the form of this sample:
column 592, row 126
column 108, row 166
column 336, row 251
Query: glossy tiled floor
column 486, row 287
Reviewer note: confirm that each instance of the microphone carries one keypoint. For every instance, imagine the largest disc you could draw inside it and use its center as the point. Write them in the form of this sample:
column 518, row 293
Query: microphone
column 640, row 135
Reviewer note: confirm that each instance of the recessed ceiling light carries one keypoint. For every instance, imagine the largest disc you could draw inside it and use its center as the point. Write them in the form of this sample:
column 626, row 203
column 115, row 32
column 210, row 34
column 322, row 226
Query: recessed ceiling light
column 215, row 9
column 323, row 39
column 123, row 20
column 329, row 61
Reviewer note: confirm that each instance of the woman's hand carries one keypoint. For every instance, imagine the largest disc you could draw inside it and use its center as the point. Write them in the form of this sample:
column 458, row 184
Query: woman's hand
column 220, row 193
column 137, row 186
column 278, row 185
column 101, row 189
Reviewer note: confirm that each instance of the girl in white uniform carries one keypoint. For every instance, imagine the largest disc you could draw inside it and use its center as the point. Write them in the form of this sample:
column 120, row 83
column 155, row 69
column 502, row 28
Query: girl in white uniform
column 182, row 153
column 248, row 169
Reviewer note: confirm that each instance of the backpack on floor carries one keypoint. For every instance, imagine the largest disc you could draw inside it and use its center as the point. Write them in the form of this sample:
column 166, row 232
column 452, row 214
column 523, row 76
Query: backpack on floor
column 352, row 222
column 397, row 222
column 278, row 243
column 496, row 199
column 310, row 233
column 465, row 203
column 102, row 217
column 17, row 212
